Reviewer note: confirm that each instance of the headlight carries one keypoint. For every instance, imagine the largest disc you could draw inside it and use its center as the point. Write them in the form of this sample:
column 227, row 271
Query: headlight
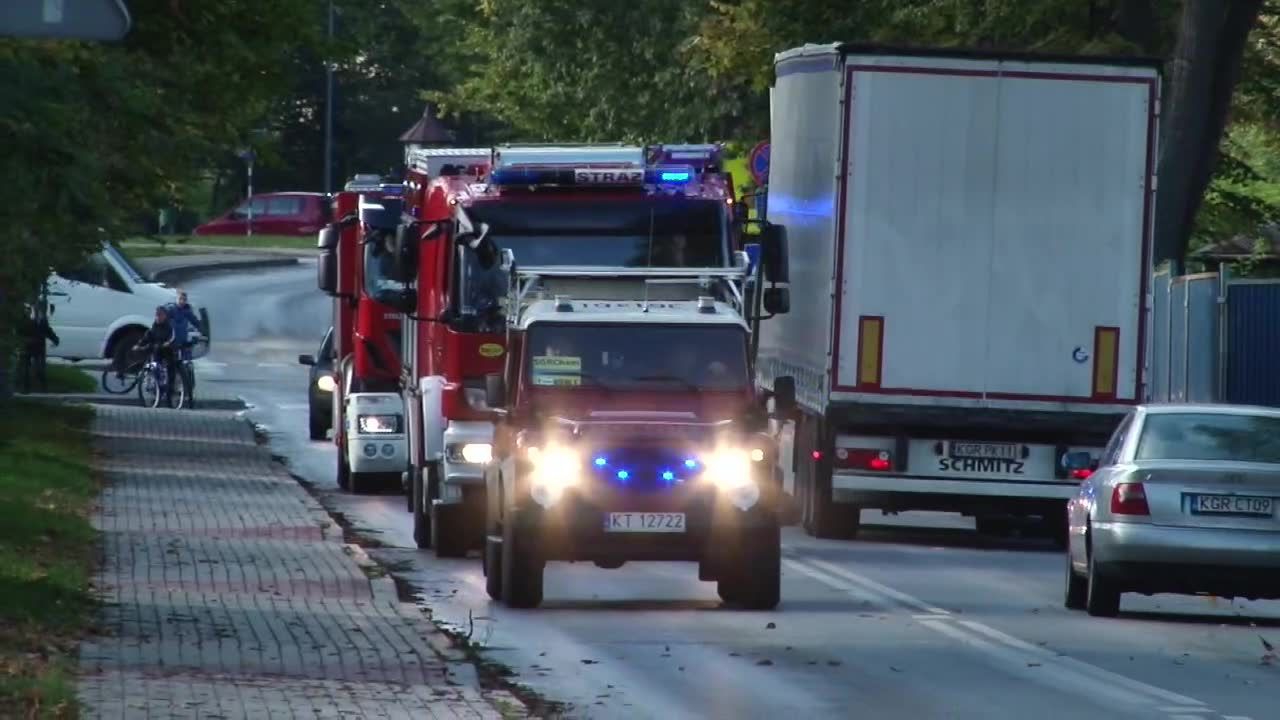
column 731, row 471
column 475, row 453
column 554, row 469
column 379, row 424
column 326, row 383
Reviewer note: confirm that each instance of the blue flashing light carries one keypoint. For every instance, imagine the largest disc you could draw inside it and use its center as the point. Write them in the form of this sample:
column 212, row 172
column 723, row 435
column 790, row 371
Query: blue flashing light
column 691, row 463
column 673, row 176
column 668, row 476
column 601, row 461
column 623, row 474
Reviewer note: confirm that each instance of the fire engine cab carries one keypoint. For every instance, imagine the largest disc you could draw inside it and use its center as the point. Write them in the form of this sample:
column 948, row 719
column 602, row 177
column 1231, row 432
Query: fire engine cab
column 630, row 429
column 353, row 268
column 551, row 205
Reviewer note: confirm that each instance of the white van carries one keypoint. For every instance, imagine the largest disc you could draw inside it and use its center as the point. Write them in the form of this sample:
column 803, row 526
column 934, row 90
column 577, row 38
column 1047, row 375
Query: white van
column 103, row 307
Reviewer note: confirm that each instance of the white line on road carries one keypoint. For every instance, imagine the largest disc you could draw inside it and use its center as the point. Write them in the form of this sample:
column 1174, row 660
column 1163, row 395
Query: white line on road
column 273, row 365
column 293, row 406
column 1020, row 656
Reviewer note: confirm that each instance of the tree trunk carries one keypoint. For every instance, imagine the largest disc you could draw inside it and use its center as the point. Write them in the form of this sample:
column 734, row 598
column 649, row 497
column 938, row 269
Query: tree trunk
column 1202, row 77
column 1138, row 22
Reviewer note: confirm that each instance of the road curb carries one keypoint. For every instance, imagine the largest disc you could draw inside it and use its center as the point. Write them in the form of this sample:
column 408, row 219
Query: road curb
column 130, row 399
column 186, row 272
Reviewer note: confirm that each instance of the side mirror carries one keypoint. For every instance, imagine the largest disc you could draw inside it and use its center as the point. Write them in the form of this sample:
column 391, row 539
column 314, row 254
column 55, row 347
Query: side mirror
column 327, row 266
column 495, row 390
column 777, row 301
column 404, row 300
column 784, row 395
column 306, row 360
column 773, row 253
column 1077, row 461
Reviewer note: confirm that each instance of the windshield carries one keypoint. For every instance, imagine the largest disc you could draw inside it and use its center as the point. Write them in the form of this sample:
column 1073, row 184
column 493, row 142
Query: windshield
column 638, row 357
column 1210, row 436
column 378, row 266
column 121, row 262
column 653, row 232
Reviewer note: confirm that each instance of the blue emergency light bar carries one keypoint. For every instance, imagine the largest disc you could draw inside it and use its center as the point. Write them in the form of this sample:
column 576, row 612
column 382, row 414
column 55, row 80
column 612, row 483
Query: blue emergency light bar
column 554, row 176
column 701, row 157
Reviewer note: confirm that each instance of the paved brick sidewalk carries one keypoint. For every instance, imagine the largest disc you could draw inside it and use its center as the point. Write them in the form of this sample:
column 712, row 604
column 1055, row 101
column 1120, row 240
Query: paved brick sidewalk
column 228, row 592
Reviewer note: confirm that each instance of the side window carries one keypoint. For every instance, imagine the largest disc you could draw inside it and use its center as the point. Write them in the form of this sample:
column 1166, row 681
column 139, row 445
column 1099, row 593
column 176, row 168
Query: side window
column 94, row 271
column 115, row 282
column 1111, row 454
column 284, row 206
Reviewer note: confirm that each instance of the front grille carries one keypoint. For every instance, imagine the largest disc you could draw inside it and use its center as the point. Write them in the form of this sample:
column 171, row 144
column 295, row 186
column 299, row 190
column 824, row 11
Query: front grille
column 644, row 469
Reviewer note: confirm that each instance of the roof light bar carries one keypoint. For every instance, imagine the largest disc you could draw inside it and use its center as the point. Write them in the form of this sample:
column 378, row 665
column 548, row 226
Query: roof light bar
column 700, row 156
column 554, row 176
column 570, row 156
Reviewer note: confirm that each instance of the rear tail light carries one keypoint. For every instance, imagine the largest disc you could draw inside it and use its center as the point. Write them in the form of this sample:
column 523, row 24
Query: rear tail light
column 1081, row 474
column 864, row 459
column 1129, row 499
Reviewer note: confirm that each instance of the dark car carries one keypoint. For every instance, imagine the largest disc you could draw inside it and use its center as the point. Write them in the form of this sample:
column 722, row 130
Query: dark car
column 320, row 387
column 286, row 213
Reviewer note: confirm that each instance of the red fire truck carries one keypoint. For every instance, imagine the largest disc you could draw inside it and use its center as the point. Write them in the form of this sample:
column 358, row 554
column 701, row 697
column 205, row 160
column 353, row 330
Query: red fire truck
column 602, row 206
column 368, row 412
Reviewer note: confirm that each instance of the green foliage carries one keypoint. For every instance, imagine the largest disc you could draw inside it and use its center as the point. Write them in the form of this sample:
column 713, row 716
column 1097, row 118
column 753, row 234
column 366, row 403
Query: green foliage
column 98, row 135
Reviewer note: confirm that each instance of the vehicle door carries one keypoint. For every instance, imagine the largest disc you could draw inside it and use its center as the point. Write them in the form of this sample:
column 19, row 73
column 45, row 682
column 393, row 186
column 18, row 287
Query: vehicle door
column 83, row 305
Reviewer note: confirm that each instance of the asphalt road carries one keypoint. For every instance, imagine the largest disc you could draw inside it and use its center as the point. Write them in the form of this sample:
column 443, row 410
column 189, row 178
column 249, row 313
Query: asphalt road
column 920, row 619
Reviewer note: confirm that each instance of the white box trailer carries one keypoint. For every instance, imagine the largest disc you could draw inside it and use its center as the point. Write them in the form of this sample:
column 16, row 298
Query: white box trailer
column 969, row 241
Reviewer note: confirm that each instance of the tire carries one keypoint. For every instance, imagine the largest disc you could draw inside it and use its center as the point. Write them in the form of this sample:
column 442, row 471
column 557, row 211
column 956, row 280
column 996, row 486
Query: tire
column 149, row 393
column 1077, row 588
column 421, row 511
column 449, row 534
column 344, row 470
column 123, row 345
column 820, row 515
column 317, row 428
column 187, row 373
column 1102, row 596
column 522, row 569
column 491, row 563
column 122, row 384
column 178, row 390
column 756, row 584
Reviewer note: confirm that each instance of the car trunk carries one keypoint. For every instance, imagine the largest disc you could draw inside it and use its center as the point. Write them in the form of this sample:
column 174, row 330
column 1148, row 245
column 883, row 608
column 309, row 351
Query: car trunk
column 1226, row 495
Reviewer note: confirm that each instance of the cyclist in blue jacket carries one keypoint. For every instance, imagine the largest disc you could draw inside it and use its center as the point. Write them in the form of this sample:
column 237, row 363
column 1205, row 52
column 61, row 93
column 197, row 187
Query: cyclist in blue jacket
column 183, row 317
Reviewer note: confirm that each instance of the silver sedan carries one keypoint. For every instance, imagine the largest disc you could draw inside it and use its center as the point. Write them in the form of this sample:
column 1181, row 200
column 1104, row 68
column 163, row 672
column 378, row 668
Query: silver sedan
column 1183, row 500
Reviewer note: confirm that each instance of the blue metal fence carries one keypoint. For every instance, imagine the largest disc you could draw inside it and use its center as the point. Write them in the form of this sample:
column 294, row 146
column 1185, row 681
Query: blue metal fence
column 1253, row 342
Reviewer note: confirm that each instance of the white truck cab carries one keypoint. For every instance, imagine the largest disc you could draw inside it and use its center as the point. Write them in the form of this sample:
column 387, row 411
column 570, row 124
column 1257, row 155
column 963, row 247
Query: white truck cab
column 102, row 306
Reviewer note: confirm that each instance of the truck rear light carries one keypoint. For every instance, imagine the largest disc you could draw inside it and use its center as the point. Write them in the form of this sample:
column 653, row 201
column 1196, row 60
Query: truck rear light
column 1129, row 499
column 873, row 459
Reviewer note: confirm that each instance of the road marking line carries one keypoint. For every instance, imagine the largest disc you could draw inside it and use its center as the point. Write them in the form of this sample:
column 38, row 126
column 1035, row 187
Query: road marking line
column 986, row 638
column 1186, row 704
column 293, row 406
column 870, row 584
column 1186, row 710
column 847, row 588
column 1236, row 717
column 273, row 365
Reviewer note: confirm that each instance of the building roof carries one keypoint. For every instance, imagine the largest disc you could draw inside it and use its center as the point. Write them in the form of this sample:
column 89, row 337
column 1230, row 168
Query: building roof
column 428, row 130
column 1264, row 245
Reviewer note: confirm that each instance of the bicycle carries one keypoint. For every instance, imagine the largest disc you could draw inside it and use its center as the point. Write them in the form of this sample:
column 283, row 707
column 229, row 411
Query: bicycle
column 121, row 381
column 153, row 384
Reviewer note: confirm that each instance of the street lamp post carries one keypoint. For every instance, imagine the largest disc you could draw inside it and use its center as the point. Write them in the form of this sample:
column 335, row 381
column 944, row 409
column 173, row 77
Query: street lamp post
column 247, row 155
column 328, row 112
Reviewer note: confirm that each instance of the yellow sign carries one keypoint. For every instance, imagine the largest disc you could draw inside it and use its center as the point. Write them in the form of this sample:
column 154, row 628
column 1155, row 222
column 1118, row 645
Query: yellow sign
column 556, row 371
column 491, row 350
column 557, row 364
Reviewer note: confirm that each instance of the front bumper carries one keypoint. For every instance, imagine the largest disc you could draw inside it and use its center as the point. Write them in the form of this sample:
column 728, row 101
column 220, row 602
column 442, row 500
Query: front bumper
column 377, row 453
column 1152, row 558
column 575, row 528
column 456, row 473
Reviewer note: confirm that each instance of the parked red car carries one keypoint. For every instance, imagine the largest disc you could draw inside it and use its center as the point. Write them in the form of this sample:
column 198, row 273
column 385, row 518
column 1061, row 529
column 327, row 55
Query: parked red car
column 282, row 213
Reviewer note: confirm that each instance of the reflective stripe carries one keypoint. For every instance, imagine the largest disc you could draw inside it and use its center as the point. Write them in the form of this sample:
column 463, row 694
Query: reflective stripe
column 1106, row 360
column 870, row 350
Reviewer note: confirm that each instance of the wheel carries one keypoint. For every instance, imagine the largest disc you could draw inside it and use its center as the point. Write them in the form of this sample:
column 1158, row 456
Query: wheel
column 149, row 388
column 420, row 499
column 756, row 584
column 449, row 532
column 178, row 391
column 123, row 348
column 1077, row 588
column 120, row 382
column 187, row 373
column 318, row 429
column 344, row 470
column 491, row 562
column 1102, row 596
column 820, row 515
column 522, row 569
